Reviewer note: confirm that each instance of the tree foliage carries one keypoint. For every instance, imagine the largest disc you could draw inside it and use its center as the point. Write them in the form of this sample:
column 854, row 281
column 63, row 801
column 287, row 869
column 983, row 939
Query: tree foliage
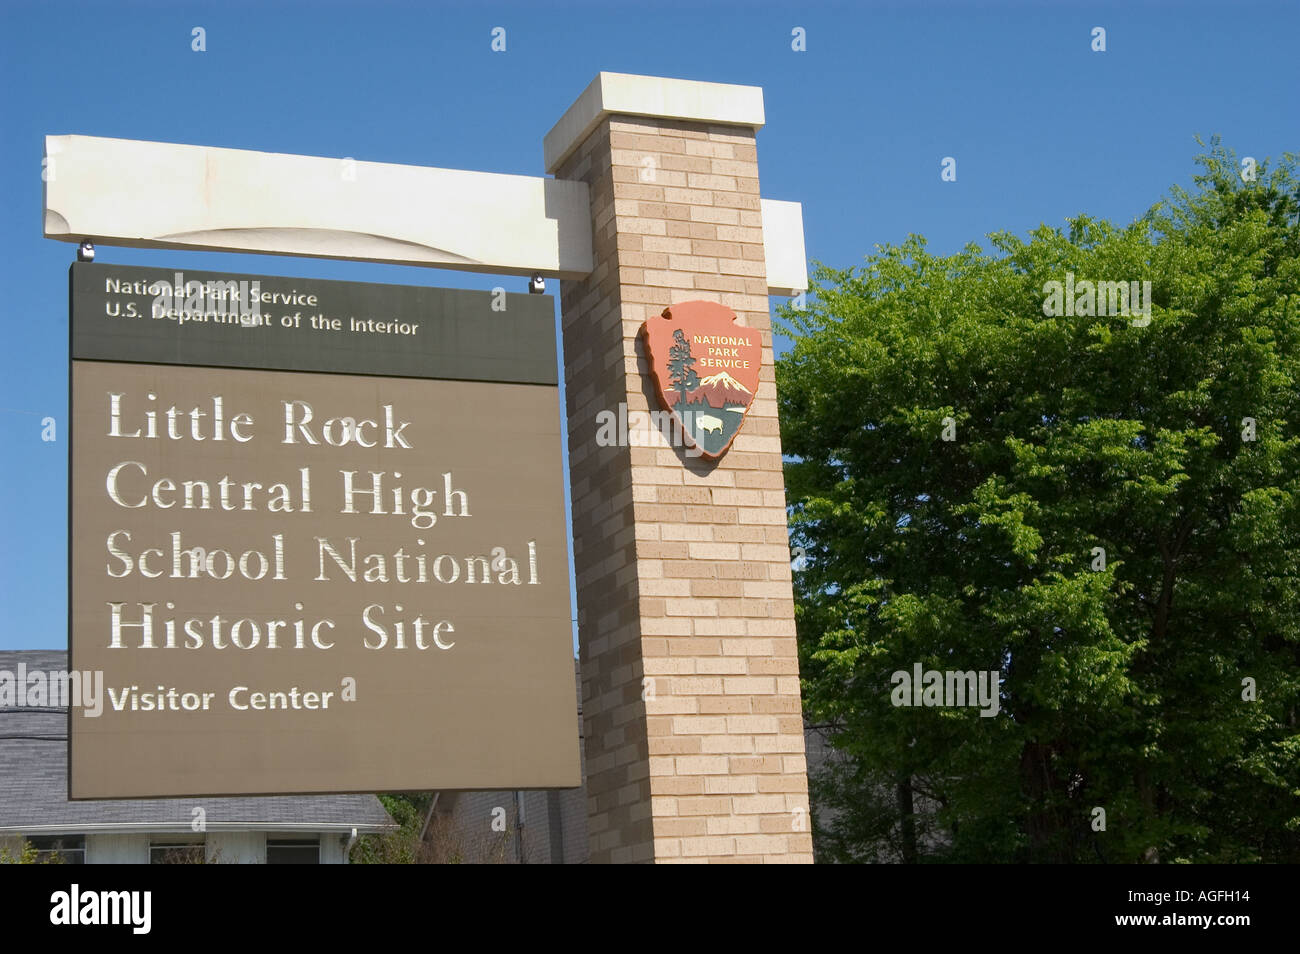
column 1123, row 677
column 25, row 853
column 399, row 847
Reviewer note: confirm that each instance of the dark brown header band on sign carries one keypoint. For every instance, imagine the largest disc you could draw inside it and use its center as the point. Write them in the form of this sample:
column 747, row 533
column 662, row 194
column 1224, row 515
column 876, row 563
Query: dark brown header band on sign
column 218, row 319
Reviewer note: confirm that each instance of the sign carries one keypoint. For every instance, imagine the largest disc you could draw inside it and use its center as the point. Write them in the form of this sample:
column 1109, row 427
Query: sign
column 317, row 538
column 705, row 368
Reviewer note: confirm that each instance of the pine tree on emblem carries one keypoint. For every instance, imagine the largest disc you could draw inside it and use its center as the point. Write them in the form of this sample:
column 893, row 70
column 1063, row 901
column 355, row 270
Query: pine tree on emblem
column 681, row 372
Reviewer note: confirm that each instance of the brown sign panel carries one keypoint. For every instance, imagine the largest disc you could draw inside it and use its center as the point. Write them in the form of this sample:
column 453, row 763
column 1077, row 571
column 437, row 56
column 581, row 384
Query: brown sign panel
column 299, row 582
column 706, row 369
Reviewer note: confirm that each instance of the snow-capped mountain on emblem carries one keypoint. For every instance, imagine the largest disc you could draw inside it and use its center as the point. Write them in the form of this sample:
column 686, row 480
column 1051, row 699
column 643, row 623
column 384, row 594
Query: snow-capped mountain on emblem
column 719, row 390
column 706, row 369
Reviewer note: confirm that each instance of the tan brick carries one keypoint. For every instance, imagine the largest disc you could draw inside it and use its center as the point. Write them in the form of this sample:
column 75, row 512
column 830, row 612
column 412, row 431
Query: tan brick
column 678, row 827
column 660, row 745
column 735, row 824
column 749, row 685
column 748, row 646
column 770, row 627
column 706, row 148
column 699, row 765
column 667, row 848
column 753, row 724
column 780, row 666
column 775, row 704
column 697, row 180
column 695, row 646
column 666, row 627
column 656, row 243
column 691, row 607
column 761, row 764
column 758, row 804
column 783, row 782
column 692, row 263
column 733, row 167
column 689, row 197
column 718, row 282
column 714, row 551
column 661, row 587
column 732, row 704
column 702, row 212
column 663, row 665
column 760, row 844
column 699, row 725
column 685, row 495
column 723, row 666
column 678, row 785
column 779, row 743
column 672, row 705
column 687, row 532
column 703, row 805
column 783, row 824
column 710, row 845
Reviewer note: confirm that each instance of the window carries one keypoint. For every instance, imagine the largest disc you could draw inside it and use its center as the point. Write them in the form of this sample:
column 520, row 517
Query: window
column 60, row 849
column 297, row 851
column 181, row 852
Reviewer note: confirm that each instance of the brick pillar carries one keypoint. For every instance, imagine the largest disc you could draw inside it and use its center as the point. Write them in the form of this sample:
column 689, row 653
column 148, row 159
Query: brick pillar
column 690, row 680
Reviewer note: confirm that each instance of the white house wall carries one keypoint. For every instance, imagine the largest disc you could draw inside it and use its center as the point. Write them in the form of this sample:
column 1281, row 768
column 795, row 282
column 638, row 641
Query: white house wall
column 237, row 847
column 117, row 849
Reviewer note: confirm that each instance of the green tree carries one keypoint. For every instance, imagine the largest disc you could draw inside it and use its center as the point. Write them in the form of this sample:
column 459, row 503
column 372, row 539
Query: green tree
column 402, row 846
column 1115, row 527
column 25, row 853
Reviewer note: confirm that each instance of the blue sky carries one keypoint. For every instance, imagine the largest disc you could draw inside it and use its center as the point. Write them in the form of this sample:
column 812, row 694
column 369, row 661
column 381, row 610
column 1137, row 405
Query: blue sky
column 1040, row 125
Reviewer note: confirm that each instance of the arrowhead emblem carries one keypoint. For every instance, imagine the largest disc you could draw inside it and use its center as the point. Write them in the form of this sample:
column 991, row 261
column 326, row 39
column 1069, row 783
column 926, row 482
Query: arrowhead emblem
column 705, row 368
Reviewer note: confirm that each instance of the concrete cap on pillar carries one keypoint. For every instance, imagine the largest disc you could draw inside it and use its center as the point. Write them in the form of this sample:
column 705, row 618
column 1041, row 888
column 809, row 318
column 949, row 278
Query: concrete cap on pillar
column 630, row 95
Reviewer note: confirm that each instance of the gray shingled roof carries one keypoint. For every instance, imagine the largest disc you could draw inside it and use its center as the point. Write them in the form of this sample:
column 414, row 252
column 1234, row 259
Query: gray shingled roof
column 34, row 786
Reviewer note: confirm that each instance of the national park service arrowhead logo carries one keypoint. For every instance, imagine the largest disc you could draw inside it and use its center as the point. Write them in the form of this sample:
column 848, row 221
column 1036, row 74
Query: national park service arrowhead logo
column 705, row 368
